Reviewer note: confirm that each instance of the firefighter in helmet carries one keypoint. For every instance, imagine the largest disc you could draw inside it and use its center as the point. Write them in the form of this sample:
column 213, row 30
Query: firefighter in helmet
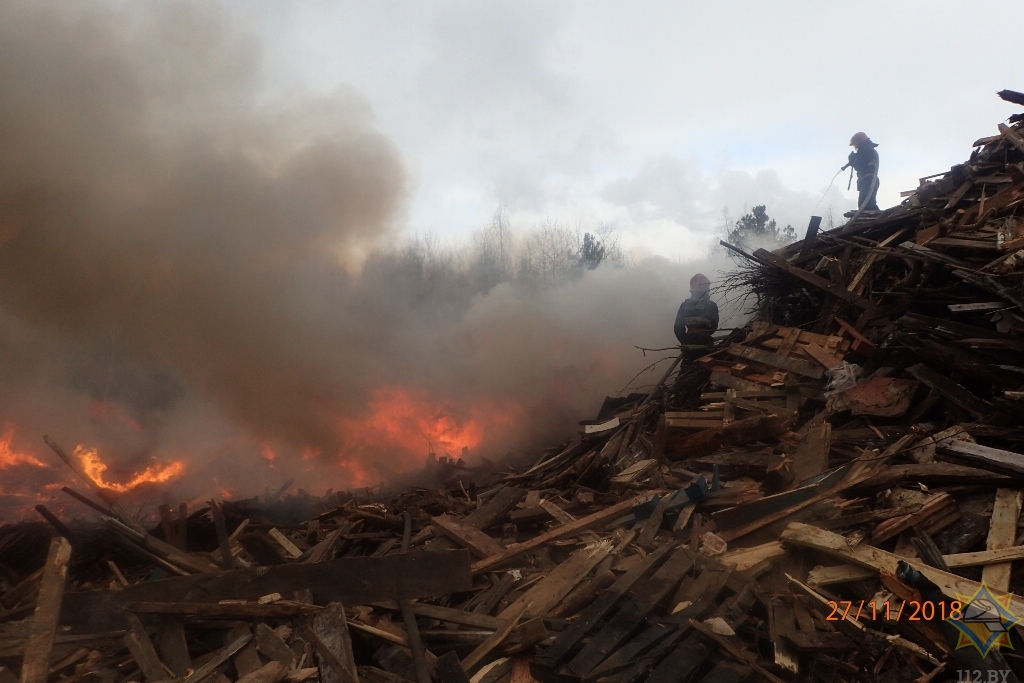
column 697, row 318
column 865, row 162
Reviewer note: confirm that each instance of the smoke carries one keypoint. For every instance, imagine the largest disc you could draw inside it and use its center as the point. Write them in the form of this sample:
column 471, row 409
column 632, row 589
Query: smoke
column 190, row 271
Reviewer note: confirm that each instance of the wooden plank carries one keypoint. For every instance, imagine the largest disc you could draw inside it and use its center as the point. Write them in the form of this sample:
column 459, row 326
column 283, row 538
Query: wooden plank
column 357, row 580
column 466, row 535
column 566, row 530
column 219, row 526
column 697, row 414
column 331, row 628
column 1002, row 533
column 864, row 555
column 215, row 610
column 521, row 670
column 763, row 392
column 702, row 594
column 285, row 543
column 398, row 638
column 1011, row 135
column 765, row 407
column 951, row 390
column 822, row 356
column 451, row 615
column 223, row 655
column 619, row 482
column 959, row 193
column 745, row 558
column 165, row 551
column 729, row 414
column 933, row 256
column 35, row 667
column 510, row 619
column 496, row 508
column 789, row 339
column 589, row 618
column 734, row 652
column 141, row 647
column 550, row 590
column 170, row 639
column 629, row 617
column 861, row 344
column 813, row 280
column 739, row 433
column 989, row 458
column 271, row 672
column 800, row 367
column 495, row 672
column 583, row 595
column 246, row 660
column 984, row 306
column 631, row 650
column 781, row 622
column 936, row 505
column 660, row 437
column 985, row 557
column 272, row 646
column 653, row 523
column 810, row 458
column 490, row 598
column 728, row 672
column 731, row 382
column 327, row 548
column 688, row 657
column 830, row 342
column 689, row 423
column 987, row 245
column 150, row 667
column 449, row 670
column 738, row 532
column 844, row 573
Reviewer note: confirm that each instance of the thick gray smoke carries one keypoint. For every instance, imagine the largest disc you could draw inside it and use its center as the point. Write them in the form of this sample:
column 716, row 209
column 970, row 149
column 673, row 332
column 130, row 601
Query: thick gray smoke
column 190, row 272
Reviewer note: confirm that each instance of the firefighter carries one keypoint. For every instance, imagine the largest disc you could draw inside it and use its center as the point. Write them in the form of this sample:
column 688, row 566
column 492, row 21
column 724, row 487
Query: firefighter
column 864, row 160
column 697, row 318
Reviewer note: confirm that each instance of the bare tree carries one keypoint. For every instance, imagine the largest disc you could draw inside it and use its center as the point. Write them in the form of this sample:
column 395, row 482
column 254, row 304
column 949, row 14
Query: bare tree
column 494, row 260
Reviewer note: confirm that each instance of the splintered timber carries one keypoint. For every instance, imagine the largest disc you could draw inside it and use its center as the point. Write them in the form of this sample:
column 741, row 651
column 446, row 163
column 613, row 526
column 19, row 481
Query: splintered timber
column 830, row 493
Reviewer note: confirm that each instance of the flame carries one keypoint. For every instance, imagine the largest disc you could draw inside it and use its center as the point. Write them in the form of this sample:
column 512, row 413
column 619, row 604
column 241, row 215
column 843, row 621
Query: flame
column 406, row 424
column 10, row 458
column 414, row 423
column 94, row 469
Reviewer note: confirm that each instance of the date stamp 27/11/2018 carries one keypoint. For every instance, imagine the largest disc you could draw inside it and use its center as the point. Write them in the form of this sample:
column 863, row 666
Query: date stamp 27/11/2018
column 911, row 610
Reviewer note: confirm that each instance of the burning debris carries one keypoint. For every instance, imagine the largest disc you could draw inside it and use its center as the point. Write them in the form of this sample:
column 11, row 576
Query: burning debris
column 830, row 494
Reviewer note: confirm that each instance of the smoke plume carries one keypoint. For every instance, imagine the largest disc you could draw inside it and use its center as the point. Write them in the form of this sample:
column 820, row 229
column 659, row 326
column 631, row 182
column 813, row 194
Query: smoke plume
column 191, row 271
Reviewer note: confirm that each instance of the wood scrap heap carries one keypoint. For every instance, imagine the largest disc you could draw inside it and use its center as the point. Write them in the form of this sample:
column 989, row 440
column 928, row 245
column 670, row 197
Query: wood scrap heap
column 821, row 497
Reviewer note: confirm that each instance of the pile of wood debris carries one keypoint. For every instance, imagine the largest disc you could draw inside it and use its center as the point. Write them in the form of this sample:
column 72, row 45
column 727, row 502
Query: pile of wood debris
column 805, row 503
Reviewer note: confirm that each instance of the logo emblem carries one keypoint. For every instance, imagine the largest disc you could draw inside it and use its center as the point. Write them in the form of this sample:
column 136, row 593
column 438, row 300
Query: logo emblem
column 985, row 620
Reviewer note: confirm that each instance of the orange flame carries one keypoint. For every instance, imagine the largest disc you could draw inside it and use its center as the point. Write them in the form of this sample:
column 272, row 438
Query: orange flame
column 94, row 469
column 406, row 424
column 10, row 458
column 398, row 418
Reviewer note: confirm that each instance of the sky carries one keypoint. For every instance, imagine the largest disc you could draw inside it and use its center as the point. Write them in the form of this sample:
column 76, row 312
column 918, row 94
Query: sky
column 656, row 118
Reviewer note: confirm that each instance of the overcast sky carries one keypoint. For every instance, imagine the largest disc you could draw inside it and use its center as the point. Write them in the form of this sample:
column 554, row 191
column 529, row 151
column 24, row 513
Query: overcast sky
column 650, row 116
